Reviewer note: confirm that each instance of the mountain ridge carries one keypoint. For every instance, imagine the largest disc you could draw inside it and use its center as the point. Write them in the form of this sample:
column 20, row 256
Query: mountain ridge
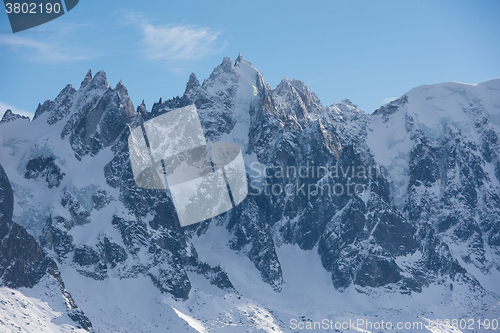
column 400, row 235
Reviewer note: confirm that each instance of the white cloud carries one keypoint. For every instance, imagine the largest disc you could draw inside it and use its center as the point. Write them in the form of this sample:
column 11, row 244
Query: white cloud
column 176, row 44
column 388, row 99
column 4, row 107
column 41, row 51
column 49, row 46
column 318, row 79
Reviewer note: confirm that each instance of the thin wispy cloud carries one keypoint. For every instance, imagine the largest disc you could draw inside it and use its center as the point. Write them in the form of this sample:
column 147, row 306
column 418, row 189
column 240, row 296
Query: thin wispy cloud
column 177, row 45
column 49, row 47
column 318, row 79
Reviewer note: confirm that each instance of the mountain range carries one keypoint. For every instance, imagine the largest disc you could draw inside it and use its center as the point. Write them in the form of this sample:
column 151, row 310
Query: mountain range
column 393, row 215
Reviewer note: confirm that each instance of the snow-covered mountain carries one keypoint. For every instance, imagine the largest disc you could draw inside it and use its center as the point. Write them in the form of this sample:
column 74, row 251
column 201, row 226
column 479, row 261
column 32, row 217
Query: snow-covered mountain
column 392, row 216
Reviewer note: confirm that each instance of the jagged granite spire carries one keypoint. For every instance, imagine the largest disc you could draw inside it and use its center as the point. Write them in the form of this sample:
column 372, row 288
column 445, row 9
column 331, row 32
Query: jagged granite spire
column 192, row 83
column 100, row 115
column 87, row 79
column 99, row 80
column 142, row 108
column 226, row 65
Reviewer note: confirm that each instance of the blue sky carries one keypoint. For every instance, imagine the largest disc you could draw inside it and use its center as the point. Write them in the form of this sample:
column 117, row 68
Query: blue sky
column 367, row 51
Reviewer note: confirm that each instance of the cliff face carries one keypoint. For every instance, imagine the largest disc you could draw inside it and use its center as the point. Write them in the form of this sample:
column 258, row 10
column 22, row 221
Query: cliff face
column 23, row 263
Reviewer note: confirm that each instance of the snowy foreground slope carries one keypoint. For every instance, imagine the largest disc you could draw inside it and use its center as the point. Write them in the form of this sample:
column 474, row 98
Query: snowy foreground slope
column 405, row 229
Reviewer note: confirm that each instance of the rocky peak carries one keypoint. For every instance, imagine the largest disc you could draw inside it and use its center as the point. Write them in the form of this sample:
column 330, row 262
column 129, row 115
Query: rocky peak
column 222, row 76
column 310, row 99
column 121, row 87
column 284, row 84
column 99, row 80
column 297, row 89
column 141, row 109
column 292, row 105
column 348, row 102
column 11, row 116
column 192, row 84
column 226, row 65
column 59, row 107
column 100, row 114
column 241, row 61
column 286, row 91
column 391, row 107
column 87, row 79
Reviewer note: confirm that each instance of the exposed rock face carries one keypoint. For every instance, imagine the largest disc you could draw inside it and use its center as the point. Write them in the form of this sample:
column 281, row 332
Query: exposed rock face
column 6, row 204
column 11, row 116
column 22, row 262
column 59, row 107
column 44, row 167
